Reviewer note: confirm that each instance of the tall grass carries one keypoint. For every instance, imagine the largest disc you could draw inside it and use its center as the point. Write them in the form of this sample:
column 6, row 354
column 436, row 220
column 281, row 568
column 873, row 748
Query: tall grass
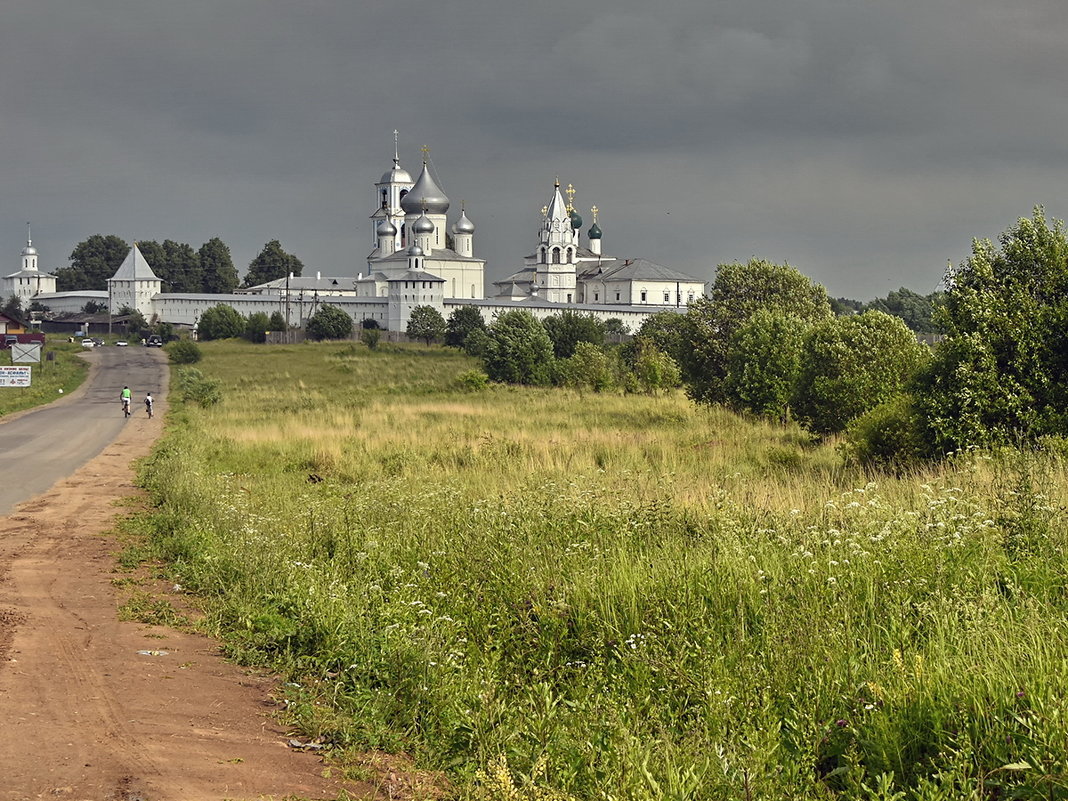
column 631, row 597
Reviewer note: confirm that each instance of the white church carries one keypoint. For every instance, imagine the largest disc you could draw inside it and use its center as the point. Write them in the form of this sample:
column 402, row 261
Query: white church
column 416, row 259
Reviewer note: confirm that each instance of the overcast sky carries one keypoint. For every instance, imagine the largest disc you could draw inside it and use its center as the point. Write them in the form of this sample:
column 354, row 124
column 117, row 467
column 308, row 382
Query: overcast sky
column 865, row 143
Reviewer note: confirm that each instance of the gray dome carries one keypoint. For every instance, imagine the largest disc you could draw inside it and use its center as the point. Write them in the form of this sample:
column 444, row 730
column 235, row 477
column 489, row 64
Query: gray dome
column 463, row 225
column 415, row 250
column 594, row 232
column 426, row 193
column 29, row 250
column 386, row 228
column 423, row 225
column 397, row 175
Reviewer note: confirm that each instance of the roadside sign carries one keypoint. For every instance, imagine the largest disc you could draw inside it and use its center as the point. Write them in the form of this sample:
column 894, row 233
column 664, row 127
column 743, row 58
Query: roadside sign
column 23, row 353
column 15, row 376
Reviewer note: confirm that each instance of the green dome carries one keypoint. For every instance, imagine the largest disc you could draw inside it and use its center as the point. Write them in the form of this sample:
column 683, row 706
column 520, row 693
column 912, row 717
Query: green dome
column 594, row 232
column 576, row 220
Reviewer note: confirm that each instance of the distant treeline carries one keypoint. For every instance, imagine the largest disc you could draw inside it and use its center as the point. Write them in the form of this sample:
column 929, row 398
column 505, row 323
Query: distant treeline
column 176, row 264
column 916, row 310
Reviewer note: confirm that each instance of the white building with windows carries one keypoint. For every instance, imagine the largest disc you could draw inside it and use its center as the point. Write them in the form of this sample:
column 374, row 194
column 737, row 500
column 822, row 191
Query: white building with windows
column 30, row 280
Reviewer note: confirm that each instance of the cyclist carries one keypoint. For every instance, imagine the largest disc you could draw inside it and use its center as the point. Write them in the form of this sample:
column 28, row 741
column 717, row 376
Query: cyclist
column 148, row 404
column 125, row 396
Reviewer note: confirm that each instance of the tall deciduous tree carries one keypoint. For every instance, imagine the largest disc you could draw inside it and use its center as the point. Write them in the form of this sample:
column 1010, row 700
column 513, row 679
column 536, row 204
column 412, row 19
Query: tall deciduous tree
column 850, row 365
column 217, row 272
column 425, row 323
column 1001, row 373
column 740, row 290
column 220, row 322
column 763, row 364
column 92, row 263
column 517, row 350
column 461, row 323
column 569, row 328
column 329, row 322
column 272, row 263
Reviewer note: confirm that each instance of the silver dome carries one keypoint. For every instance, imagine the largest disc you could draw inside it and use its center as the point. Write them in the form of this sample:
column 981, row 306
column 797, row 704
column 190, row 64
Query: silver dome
column 415, row 250
column 386, row 228
column 423, row 225
column 29, row 250
column 397, row 175
column 463, row 225
column 425, row 195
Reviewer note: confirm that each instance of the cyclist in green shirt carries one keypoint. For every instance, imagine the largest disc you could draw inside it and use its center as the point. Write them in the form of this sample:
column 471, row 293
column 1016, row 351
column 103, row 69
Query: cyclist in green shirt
column 125, row 396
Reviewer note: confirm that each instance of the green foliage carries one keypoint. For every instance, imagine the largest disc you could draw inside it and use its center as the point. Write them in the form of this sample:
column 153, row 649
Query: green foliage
column 1001, row 374
column 891, row 435
column 369, row 322
column 257, row 326
column 669, row 332
column 763, row 364
column 183, row 351
column 517, row 350
column 165, row 331
column 654, row 370
column 220, row 322
column 277, row 322
column 472, row 381
column 461, row 323
column 12, row 307
column 92, row 263
column 568, row 328
column 176, row 264
column 272, row 263
column 92, row 307
column 589, row 367
column 615, row 328
column 916, row 310
column 739, row 292
column 329, row 322
column 65, row 372
column 426, row 323
column 136, row 322
column 218, row 274
column 195, row 387
column 370, row 337
column 852, row 364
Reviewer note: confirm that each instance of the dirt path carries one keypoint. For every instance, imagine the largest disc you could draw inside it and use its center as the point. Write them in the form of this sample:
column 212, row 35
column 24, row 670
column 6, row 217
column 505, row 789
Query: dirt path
column 86, row 714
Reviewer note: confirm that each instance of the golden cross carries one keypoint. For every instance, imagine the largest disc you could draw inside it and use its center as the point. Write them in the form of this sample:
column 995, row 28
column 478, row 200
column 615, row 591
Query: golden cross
column 570, row 197
column 426, row 153
column 594, row 211
column 544, row 210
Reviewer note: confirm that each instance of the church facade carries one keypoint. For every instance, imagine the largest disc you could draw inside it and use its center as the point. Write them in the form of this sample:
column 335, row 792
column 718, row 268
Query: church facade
column 418, row 259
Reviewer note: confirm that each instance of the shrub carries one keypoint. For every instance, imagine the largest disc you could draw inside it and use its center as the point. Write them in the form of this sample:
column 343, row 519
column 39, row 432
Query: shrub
column 517, row 350
column 220, row 322
column 472, row 381
column 370, row 336
column 462, row 322
column 195, row 387
column 892, row 435
column 184, row 351
column 425, row 323
column 654, row 370
column 763, row 364
column 589, row 367
column 257, row 326
column 568, row 329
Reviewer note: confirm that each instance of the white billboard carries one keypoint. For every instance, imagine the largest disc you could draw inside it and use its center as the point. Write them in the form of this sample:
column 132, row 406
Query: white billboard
column 17, row 376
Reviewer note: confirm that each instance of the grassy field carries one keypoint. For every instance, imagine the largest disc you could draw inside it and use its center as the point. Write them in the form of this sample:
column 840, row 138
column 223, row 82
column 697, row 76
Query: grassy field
column 65, row 373
column 553, row 595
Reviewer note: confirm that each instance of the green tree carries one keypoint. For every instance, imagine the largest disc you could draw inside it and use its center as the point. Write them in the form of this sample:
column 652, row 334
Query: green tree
column 220, row 322
column 850, row 365
column 277, row 322
column 92, row 307
column 271, row 263
column 668, row 331
column 517, row 350
column 329, row 322
column 654, row 369
column 184, row 351
column 12, row 307
column 1001, row 373
column 739, row 291
column 615, row 328
column 569, row 328
column 915, row 309
column 763, row 364
column 425, row 323
column 217, row 272
column 461, row 323
column 136, row 321
column 92, row 263
column 257, row 326
column 589, row 366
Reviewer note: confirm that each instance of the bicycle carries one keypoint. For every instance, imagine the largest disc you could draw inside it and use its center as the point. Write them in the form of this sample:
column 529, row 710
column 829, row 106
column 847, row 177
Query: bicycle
column 126, row 407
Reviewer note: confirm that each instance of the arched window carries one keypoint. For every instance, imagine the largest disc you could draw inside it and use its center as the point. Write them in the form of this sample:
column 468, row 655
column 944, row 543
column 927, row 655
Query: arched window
column 556, row 255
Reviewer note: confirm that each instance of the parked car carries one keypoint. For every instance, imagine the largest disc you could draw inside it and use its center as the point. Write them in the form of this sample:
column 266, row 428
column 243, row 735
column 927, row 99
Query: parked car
column 88, row 343
column 121, row 343
column 154, row 341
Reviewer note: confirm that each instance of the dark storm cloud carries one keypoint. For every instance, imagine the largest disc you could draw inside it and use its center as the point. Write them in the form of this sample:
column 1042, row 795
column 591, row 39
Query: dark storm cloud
column 864, row 142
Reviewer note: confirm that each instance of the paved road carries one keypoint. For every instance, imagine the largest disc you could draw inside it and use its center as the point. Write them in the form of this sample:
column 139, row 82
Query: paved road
column 48, row 444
